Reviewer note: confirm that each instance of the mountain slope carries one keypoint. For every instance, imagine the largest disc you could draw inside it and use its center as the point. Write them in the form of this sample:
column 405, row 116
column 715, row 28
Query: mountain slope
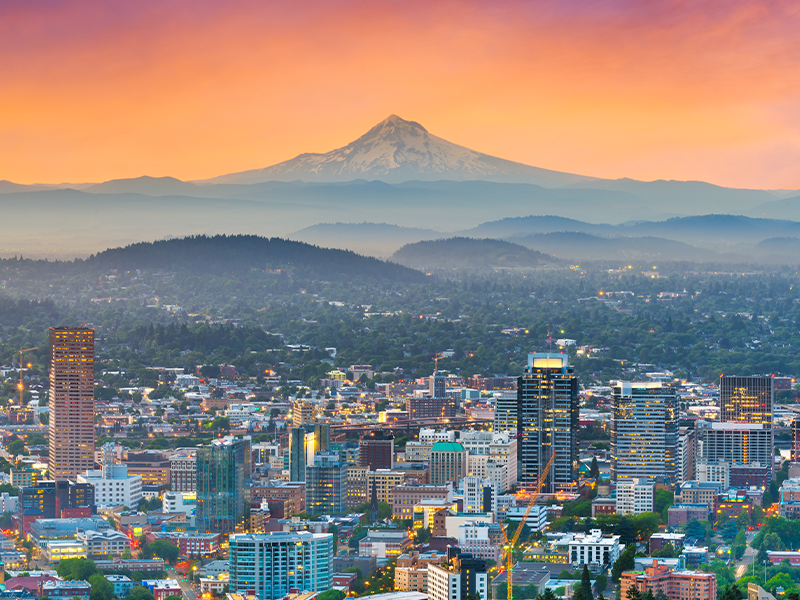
column 397, row 150
column 246, row 253
column 372, row 239
column 468, row 253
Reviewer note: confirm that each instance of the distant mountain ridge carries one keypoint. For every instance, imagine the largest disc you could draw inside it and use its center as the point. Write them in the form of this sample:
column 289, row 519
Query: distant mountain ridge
column 468, row 253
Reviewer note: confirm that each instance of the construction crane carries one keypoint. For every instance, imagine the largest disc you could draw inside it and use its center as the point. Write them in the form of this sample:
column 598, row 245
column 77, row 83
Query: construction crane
column 21, row 385
column 436, row 360
column 508, row 548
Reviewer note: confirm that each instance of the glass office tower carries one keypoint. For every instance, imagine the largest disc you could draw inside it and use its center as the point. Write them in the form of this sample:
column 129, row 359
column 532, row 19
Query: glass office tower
column 223, row 486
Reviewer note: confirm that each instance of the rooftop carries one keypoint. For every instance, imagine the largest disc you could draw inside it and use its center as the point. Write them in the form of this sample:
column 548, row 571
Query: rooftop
column 447, row 447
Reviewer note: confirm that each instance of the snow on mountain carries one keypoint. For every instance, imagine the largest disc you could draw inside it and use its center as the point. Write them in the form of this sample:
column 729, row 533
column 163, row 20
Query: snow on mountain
column 395, row 151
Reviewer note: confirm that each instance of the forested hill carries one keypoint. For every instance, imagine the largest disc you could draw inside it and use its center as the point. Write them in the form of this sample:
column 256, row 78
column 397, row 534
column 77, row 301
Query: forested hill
column 240, row 253
column 469, row 253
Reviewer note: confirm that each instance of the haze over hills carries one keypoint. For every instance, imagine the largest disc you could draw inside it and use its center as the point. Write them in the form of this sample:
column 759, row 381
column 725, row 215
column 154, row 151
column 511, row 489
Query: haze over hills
column 468, row 253
column 397, row 174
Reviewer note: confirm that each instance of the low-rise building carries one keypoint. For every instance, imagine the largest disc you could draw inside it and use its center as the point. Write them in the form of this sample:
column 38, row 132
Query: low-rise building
column 103, row 543
column 789, row 498
column 122, row 584
column 193, row 545
column 596, row 550
column 405, row 497
column 384, row 543
column 694, row 556
column 659, row 540
column 162, row 588
column 57, row 550
column 460, row 577
column 474, row 538
column 411, row 571
column 698, row 492
column 680, row 514
column 676, row 585
column 64, row 589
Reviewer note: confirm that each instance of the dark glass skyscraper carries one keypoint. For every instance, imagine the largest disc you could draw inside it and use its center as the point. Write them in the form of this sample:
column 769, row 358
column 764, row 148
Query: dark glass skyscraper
column 644, row 431
column 547, row 415
column 304, row 443
column 223, row 486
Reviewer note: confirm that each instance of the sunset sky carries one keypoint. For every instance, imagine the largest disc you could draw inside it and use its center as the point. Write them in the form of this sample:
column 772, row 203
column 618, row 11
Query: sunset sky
column 96, row 90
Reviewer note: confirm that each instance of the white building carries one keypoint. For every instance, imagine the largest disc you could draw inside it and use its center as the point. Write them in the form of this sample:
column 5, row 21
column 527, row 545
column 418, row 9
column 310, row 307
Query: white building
column 474, row 492
column 431, row 436
column 595, row 550
column 104, row 543
column 474, row 538
column 180, row 502
column 112, row 484
column 537, row 518
column 445, row 583
column 635, row 496
column 714, row 471
column 499, row 448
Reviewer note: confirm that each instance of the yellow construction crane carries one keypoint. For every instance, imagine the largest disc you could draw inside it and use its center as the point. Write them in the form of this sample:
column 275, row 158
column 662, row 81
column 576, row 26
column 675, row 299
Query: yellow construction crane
column 508, row 548
column 21, row 385
column 436, row 360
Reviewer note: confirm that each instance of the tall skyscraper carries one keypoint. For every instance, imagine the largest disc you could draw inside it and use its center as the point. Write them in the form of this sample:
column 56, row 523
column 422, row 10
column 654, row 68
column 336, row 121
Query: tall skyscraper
column 326, row 485
column 304, row 443
column 547, row 417
column 302, row 413
column 505, row 412
column 746, row 399
column 223, row 486
column 268, row 565
column 376, row 450
column 644, row 431
column 71, row 428
column 437, row 385
column 795, row 440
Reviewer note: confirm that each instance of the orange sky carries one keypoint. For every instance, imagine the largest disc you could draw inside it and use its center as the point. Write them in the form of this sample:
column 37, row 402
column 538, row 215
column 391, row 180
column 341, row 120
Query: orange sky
column 91, row 91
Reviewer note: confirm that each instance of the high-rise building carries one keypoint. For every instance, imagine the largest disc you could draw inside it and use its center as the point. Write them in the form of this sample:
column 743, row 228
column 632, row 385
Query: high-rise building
column 461, row 577
column 376, row 450
column 71, row 427
column 430, row 408
column 437, row 385
column 547, row 415
column 687, row 454
column 302, row 413
column 505, row 412
column 61, row 499
column 795, row 440
column 737, row 443
column 183, row 472
column 268, row 565
column 326, row 485
column 113, row 486
column 223, row 486
column 304, row 443
column 448, row 462
column 746, row 399
column 644, row 431
column 635, row 495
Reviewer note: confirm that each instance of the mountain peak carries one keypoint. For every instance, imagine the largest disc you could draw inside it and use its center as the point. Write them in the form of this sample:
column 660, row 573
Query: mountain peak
column 396, row 150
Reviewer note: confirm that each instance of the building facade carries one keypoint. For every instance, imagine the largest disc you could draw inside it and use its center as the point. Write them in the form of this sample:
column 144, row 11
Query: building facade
column 644, row 431
column 326, row 485
column 183, row 472
column 675, row 585
column 547, row 414
column 448, row 462
column 223, row 486
column 635, row 496
column 460, row 577
column 268, row 565
column 376, row 450
column 746, row 399
column 71, row 402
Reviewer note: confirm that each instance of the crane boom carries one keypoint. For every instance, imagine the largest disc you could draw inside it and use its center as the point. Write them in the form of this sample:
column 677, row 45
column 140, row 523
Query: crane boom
column 509, row 547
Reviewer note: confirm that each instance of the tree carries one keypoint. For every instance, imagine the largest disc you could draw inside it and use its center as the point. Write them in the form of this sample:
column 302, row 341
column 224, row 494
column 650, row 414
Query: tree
column 330, row 595
column 600, row 584
column 140, row 593
column 102, row 589
column 633, row 594
column 664, row 499
column 586, row 583
column 743, row 521
column 625, row 562
column 162, row 549
column 624, row 529
column 594, row 469
column 76, row 569
column 547, row 594
column 695, row 530
column 423, row 535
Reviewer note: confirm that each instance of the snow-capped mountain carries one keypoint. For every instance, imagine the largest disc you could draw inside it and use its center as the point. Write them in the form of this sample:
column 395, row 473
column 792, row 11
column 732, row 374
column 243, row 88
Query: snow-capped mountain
column 396, row 150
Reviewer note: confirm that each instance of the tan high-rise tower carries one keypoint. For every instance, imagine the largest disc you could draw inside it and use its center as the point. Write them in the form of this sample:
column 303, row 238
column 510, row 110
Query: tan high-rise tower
column 71, row 401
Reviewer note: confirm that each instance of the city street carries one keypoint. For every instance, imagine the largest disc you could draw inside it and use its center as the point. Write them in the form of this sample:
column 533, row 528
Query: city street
column 187, row 589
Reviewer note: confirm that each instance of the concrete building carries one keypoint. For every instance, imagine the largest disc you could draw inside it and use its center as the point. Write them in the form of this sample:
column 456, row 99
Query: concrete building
column 635, row 496
column 480, row 495
column 680, row 514
column 547, row 413
column 714, row 471
column 102, row 544
column 789, row 494
column 407, row 496
column 474, row 538
column 448, row 462
column 594, row 549
column 183, row 472
column 385, row 543
column 268, row 565
column 302, row 413
column 376, row 450
column 71, row 402
column 676, row 585
column 737, row 443
column 384, row 481
column 180, row 502
column 644, row 431
column 687, row 455
column 461, row 577
column 112, row 484
column 304, row 443
column 698, row 492
column 499, row 448
column 411, row 571
column 746, row 399
column 54, row 500
column 505, row 413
